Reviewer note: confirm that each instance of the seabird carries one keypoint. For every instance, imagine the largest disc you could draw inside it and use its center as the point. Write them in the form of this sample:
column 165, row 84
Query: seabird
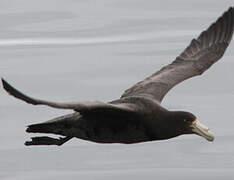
column 137, row 116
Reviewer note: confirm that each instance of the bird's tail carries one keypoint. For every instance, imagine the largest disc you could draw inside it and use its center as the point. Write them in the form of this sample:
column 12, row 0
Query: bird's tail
column 61, row 126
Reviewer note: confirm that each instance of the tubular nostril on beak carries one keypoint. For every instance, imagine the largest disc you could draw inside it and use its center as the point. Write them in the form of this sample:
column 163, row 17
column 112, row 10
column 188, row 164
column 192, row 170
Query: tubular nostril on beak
column 202, row 130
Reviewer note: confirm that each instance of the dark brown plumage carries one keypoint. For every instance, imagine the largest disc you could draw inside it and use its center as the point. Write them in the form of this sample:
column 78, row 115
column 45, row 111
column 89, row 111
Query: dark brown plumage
column 202, row 52
column 138, row 116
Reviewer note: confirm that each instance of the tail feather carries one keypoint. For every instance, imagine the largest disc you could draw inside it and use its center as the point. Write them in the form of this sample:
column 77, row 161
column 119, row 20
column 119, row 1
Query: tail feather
column 60, row 126
column 41, row 128
column 63, row 125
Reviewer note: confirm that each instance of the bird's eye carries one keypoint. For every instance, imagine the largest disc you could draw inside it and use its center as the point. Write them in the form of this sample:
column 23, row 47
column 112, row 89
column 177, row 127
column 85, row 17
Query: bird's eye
column 185, row 120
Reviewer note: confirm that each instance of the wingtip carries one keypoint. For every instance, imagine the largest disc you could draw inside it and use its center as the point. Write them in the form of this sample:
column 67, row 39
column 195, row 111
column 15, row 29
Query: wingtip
column 3, row 81
column 230, row 10
column 6, row 85
column 17, row 94
column 10, row 89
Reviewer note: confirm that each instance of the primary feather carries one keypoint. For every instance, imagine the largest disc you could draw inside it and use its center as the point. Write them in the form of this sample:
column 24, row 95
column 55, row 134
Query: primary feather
column 202, row 52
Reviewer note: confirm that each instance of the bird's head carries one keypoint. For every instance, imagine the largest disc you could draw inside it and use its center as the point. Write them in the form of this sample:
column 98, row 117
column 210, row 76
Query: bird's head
column 189, row 124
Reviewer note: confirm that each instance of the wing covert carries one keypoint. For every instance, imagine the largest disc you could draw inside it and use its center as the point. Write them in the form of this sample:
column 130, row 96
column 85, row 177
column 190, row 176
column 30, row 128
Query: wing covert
column 202, row 52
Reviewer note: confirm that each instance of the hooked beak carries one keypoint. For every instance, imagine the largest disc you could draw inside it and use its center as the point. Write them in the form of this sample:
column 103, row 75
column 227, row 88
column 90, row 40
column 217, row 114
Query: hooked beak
column 201, row 130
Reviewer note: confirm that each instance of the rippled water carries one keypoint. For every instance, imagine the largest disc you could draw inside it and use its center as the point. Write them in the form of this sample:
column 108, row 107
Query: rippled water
column 94, row 50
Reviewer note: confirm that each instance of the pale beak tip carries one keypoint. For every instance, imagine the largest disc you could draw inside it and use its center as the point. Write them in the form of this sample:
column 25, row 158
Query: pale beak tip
column 202, row 130
column 211, row 137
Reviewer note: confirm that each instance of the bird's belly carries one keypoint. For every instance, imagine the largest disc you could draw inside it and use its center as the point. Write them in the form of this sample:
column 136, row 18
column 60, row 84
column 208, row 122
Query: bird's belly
column 112, row 130
column 119, row 136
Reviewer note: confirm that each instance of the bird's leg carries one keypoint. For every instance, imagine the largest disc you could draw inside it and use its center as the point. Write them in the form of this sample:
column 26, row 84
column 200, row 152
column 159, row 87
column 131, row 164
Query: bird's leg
column 63, row 140
column 45, row 140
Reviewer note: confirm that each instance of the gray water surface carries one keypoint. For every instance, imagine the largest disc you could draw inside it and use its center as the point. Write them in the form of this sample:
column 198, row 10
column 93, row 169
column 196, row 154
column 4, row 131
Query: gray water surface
column 94, row 50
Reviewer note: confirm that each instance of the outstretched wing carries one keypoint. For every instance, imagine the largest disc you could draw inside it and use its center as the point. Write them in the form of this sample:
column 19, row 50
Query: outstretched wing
column 202, row 52
column 82, row 107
